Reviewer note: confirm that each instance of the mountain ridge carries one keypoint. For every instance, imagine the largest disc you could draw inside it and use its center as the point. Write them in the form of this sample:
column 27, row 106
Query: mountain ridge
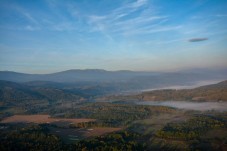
column 99, row 75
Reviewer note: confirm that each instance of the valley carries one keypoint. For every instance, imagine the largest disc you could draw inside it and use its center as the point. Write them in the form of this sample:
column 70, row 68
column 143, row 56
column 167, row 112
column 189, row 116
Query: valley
column 95, row 116
column 113, row 75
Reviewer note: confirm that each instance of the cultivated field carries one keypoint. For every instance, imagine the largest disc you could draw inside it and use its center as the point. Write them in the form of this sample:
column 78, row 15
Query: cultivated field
column 61, row 127
column 42, row 119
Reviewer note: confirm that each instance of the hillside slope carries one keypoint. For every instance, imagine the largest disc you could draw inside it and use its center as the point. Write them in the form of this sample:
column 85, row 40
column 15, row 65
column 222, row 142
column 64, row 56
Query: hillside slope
column 14, row 94
column 214, row 92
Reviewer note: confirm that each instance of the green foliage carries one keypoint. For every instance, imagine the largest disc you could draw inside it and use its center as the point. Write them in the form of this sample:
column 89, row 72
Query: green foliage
column 114, row 115
column 190, row 129
column 33, row 137
column 121, row 141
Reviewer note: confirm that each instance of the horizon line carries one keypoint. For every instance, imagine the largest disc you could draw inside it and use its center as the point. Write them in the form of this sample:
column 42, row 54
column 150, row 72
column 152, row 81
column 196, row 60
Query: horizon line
column 98, row 69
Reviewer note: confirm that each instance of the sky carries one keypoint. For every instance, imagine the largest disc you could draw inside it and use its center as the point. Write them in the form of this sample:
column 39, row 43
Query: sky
column 46, row 36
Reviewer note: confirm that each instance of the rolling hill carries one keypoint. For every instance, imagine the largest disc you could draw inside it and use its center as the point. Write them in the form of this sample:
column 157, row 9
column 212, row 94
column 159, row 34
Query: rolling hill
column 16, row 94
column 214, row 92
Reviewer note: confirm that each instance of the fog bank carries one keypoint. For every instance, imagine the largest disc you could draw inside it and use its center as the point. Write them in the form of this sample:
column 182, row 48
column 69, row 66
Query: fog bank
column 199, row 106
column 187, row 86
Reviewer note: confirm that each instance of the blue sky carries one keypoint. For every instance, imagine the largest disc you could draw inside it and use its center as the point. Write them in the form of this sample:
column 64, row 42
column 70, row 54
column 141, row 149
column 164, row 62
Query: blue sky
column 45, row 36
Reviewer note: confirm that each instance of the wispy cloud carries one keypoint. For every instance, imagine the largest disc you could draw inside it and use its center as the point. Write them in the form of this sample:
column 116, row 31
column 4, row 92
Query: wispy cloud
column 138, row 3
column 153, row 30
column 25, row 14
column 135, row 17
column 31, row 28
column 221, row 15
column 128, row 8
column 123, row 20
column 30, row 22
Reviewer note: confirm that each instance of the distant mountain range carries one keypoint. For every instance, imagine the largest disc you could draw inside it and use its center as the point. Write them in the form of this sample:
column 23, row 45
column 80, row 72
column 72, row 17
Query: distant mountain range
column 90, row 75
column 120, row 80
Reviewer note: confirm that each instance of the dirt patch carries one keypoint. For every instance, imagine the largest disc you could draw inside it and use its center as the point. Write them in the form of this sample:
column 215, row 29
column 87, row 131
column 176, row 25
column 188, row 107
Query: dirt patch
column 41, row 119
column 100, row 131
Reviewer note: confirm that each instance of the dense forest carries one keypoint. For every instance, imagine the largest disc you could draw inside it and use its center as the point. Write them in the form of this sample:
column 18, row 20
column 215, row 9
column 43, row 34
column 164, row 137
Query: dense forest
column 191, row 129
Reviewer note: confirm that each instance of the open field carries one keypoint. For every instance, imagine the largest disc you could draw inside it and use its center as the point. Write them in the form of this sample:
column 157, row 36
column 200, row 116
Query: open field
column 74, row 134
column 39, row 119
column 61, row 126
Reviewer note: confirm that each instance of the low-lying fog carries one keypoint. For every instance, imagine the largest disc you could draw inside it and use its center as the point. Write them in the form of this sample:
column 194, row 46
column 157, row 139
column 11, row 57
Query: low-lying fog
column 186, row 86
column 199, row 106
